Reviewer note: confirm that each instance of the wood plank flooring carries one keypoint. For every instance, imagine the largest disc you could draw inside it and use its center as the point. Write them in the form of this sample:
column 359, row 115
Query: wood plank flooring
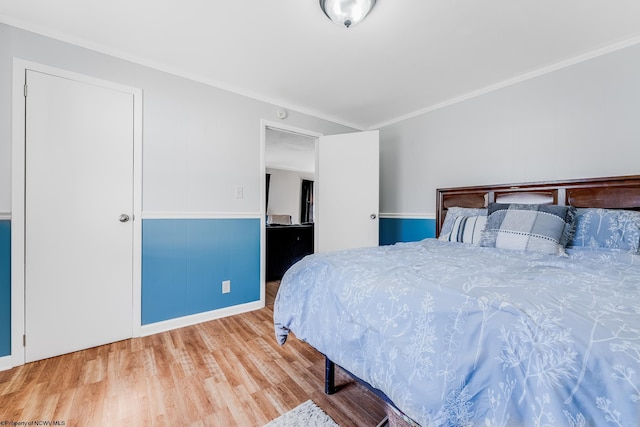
column 226, row 372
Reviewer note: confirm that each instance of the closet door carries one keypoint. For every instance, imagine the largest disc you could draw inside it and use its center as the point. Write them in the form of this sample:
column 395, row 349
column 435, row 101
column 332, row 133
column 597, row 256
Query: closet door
column 78, row 215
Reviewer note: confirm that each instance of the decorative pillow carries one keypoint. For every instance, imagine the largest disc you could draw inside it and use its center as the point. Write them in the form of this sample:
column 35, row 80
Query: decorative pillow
column 466, row 229
column 455, row 212
column 607, row 229
column 536, row 228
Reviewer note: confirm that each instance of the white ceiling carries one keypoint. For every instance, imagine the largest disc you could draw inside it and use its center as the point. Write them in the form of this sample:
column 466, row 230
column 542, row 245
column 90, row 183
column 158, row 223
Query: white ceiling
column 289, row 151
column 407, row 57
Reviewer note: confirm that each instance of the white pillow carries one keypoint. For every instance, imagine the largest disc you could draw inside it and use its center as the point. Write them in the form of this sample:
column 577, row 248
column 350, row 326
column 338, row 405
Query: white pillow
column 525, row 198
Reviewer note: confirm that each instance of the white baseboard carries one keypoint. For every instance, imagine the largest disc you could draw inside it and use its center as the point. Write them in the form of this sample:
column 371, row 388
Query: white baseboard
column 6, row 363
column 181, row 322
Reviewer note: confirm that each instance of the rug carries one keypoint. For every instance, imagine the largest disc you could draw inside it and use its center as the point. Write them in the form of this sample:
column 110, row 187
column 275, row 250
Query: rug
column 307, row 414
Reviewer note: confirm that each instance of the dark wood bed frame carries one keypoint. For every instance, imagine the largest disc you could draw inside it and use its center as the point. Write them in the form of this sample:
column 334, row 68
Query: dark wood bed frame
column 620, row 192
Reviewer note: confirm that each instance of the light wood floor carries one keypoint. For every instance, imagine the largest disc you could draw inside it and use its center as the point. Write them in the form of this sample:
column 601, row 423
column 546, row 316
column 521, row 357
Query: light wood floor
column 227, row 372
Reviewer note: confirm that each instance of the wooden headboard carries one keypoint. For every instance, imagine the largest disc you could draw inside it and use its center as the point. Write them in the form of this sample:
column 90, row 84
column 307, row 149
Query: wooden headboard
column 620, row 192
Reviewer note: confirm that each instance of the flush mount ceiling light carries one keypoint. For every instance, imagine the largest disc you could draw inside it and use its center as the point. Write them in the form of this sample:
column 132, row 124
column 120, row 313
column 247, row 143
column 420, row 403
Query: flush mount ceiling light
column 346, row 12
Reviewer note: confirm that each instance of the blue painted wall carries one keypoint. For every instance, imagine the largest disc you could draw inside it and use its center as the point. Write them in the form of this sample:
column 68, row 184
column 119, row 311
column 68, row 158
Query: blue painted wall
column 184, row 262
column 5, row 288
column 394, row 230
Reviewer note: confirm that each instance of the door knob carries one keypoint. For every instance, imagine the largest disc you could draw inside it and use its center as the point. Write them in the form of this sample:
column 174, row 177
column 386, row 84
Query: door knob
column 372, row 216
column 124, row 218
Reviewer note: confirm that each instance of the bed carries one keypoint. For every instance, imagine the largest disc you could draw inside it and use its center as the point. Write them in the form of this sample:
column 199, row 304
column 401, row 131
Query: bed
column 525, row 311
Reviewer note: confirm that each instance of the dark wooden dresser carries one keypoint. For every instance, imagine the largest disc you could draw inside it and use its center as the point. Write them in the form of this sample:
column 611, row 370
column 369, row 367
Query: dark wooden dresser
column 286, row 245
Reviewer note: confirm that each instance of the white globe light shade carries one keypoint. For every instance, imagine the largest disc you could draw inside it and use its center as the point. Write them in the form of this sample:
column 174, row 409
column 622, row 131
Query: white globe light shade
column 347, row 12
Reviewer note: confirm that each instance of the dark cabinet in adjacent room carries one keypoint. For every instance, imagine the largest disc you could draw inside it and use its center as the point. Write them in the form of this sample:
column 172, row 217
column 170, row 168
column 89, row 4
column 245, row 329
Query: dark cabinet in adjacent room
column 286, row 245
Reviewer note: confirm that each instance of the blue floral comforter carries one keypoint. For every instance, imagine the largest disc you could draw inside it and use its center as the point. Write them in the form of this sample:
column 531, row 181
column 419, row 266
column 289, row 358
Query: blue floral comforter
column 458, row 335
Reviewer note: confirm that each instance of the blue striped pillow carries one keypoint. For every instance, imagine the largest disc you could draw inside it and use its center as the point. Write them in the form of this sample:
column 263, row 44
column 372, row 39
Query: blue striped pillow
column 455, row 212
column 466, row 229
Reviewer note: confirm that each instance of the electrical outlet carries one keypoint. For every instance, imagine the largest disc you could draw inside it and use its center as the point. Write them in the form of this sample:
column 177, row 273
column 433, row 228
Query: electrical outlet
column 226, row 286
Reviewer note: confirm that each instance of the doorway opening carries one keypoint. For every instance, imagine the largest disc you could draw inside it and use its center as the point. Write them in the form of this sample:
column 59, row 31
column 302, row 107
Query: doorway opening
column 289, row 178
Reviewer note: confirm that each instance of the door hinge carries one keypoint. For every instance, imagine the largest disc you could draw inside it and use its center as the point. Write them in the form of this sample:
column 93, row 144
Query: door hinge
column 24, row 340
column 25, row 90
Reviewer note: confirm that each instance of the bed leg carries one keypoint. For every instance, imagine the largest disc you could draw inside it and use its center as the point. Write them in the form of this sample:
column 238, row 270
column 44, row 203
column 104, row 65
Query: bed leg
column 329, row 376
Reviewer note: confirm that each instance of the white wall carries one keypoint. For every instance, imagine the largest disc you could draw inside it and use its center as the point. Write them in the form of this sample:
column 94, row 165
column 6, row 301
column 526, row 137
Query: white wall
column 580, row 121
column 284, row 192
column 5, row 124
column 199, row 142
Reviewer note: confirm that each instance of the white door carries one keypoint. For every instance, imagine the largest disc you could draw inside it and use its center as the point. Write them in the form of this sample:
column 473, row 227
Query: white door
column 78, row 194
column 347, row 191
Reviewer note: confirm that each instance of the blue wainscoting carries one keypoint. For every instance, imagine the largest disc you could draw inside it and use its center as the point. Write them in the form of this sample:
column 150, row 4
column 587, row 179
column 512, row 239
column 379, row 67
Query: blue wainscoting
column 184, row 262
column 394, row 230
column 5, row 288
